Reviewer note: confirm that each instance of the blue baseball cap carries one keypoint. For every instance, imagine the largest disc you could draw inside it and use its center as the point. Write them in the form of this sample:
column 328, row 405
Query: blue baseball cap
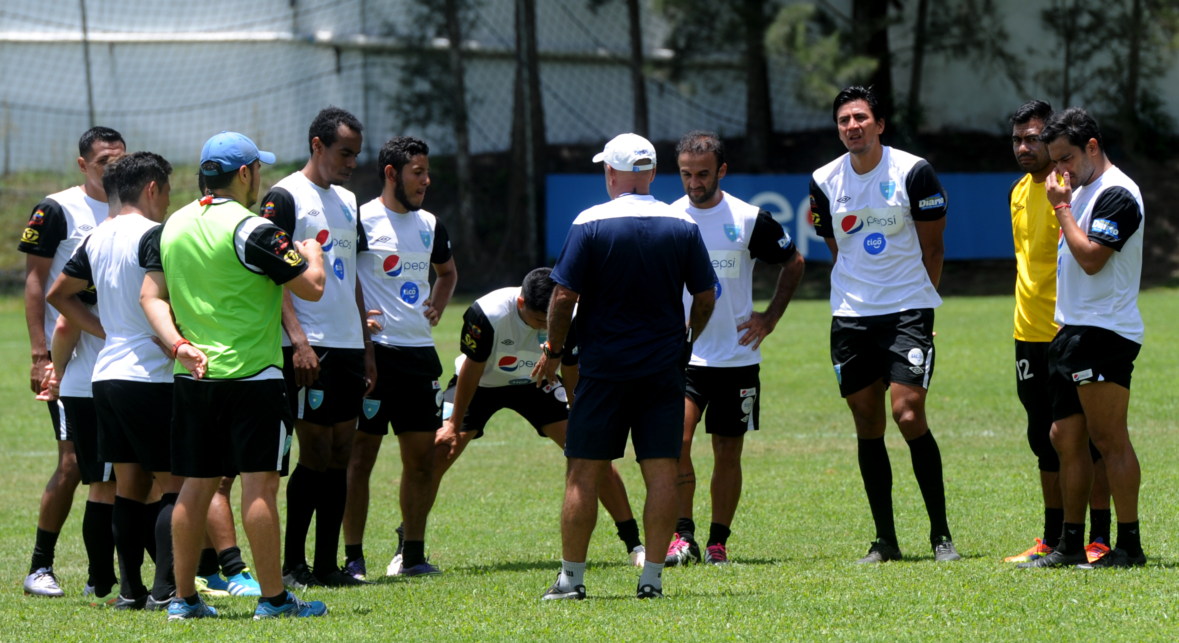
column 232, row 150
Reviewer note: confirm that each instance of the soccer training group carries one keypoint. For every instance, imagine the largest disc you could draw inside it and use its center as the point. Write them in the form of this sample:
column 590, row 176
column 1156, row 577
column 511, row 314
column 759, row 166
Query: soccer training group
column 179, row 356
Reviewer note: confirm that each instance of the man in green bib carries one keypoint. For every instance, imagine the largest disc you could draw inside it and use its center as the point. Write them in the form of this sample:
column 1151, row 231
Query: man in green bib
column 220, row 270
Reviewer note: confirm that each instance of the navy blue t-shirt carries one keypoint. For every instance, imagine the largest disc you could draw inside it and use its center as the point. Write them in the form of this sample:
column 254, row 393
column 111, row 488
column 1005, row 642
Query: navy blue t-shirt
column 630, row 260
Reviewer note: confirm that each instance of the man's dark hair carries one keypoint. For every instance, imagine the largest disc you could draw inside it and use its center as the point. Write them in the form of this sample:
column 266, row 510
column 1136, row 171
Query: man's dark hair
column 1076, row 125
column 398, row 152
column 95, row 134
column 326, row 126
column 702, row 142
column 1033, row 109
column 201, row 183
column 110, row 181
column 538, row 289
column 134, row 171
column 857, row 92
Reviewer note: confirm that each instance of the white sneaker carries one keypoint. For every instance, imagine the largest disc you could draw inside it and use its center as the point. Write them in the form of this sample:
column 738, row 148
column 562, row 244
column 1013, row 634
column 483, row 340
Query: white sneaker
column 394, row 568
column 43, row 583
column 638, row 557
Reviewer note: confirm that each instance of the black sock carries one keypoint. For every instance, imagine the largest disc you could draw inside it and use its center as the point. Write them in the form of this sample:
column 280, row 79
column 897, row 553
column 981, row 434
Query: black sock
column 927, row 468
column 1053, row 523
column 193, row 600
column 100, row 546
column 127, row 531
column 301, row 494
column 165, row 580
column 1072, row 538
column 628, row 532
column 231, row 561
column 413, row 554
column 1129, row 540
column 876, row 470
column 686, row 528
column 43, row 550
column 329, row 518
column 277, row 601
column 151, row 511
column 718, row 534
column 353, row 552
column 1099, row 522
column 208, row 563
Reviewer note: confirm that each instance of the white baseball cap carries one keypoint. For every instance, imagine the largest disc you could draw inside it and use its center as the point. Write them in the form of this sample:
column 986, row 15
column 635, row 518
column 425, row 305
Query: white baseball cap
column 625, row 150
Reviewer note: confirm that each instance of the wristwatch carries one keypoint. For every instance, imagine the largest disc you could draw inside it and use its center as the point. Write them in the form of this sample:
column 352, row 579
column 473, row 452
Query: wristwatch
column 549, row 352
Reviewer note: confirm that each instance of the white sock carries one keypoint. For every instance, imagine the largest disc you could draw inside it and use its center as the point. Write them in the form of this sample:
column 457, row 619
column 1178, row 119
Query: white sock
column 652, row 575
column 572, row 575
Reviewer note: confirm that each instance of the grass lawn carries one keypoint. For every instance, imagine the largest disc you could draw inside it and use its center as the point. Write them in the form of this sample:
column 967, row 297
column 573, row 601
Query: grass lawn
column 802, row 521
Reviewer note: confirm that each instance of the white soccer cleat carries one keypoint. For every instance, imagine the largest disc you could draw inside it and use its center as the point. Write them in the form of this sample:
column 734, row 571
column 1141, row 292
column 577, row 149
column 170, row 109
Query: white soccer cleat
column 43, row 583
column 394, row 568
column 638, row 557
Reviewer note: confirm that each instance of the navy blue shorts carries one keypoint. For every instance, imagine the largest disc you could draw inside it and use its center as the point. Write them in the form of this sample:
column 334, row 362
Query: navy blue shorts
column 605, row 411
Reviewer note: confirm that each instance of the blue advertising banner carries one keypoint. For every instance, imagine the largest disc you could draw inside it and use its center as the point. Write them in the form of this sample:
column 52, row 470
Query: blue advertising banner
column 978, row 225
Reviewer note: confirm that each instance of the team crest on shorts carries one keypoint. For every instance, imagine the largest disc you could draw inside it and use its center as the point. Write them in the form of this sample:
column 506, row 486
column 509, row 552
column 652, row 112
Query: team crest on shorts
column 314, row 398
column 888, row 188
column 732, row 231
column 286, row 448
column 370, row 408
column 839, row 374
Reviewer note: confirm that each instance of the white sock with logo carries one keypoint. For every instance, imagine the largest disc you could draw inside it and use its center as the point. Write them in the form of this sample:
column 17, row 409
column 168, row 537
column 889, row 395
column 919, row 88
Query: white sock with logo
column 652, row 575
column 572, row 575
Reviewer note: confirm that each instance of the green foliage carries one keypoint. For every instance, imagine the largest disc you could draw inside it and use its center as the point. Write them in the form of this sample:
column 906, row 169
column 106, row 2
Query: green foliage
column 704, row 28
column 826, row 65
column 803, row 518
column 974, row 30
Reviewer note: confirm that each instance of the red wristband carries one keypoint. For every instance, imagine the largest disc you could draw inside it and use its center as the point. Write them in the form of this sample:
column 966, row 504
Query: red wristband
column 1063, row 205
column 176, row 347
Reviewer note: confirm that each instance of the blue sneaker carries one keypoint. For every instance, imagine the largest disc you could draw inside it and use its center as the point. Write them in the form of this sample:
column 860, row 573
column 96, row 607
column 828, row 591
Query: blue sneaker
column 212, row 586
column 180, row 610
column 243, row 584
column 292, row 608
column 423, row 569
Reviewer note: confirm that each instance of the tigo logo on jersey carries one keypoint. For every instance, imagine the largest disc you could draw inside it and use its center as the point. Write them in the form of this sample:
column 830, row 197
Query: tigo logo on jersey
column 409, row 292
column 935, row 201
column 717, row 290
column 338, row 267
column 1106, row 227
column 325, row 239
column 370, row 408
column 888, row 188
column 393, row 266
column 874, row 243
column 732, row 232
column 851, row 224
column 425, row 234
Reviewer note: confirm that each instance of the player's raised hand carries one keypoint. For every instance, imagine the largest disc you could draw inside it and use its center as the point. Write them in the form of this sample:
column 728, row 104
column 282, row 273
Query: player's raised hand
column 193, row 359
column 374, row 326
column 310, row 249
column 1060, row 190
column 757, row 328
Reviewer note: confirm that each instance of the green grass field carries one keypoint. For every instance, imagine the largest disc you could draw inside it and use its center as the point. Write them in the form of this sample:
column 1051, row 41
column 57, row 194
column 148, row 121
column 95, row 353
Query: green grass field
column 802, row 521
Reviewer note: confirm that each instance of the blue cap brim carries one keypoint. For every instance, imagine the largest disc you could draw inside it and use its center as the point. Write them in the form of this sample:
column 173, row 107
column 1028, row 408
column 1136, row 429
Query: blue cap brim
column 266, row 157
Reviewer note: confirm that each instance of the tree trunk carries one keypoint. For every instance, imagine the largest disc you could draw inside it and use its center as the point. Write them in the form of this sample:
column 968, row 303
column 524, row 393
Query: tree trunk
column 759, row 117
column 1066, row 89
column 1133, row 74
column 638, row 80
column 871, row 20
column 526, row 187
column 913, row 109
column 462, row 133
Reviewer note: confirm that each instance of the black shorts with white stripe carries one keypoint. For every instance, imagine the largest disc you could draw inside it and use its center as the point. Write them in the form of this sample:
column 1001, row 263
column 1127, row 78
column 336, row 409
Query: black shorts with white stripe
column 897, row 347
column 227, row 427
column 81, row 419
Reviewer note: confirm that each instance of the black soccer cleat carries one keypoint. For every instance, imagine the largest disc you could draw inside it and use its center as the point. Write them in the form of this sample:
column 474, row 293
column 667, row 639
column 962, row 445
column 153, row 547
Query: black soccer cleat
column 682, row 551
column 649, row 591
column 1056, row 559
column 338, row 578
column 944, row 550
column 124, row 603
column 1116, row 559
column 880, row 552
column 299, row 577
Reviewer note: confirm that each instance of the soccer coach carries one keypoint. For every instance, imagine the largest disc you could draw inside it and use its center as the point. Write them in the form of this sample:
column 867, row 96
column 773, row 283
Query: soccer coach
column 628, row 260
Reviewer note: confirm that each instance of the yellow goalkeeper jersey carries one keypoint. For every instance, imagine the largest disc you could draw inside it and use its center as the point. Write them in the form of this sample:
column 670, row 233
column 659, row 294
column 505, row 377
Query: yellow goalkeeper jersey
column 1036, row 232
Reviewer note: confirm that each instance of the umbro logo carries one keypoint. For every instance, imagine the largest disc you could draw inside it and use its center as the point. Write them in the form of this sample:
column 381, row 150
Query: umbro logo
column 843, row 199
column 85, row 228
column 1017, row 207
column 917, row 370
column 383, row 239
column 313, row 213
column 508, row 342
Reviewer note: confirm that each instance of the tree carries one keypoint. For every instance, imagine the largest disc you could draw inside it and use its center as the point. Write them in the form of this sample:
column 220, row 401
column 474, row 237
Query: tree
column 638, row 78
column 825, row 63
column 702, row 28
column 526, row 186
column 870, row 22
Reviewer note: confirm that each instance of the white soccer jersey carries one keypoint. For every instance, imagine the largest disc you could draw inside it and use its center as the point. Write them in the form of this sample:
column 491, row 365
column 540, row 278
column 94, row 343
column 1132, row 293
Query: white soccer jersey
column 307, row 211
column 394, row 270
column 735, row 234
column 494, row 334
column 111, row 258
column 871, row 216
column 1110, row 212
column 56, row 227
column 76, row 380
